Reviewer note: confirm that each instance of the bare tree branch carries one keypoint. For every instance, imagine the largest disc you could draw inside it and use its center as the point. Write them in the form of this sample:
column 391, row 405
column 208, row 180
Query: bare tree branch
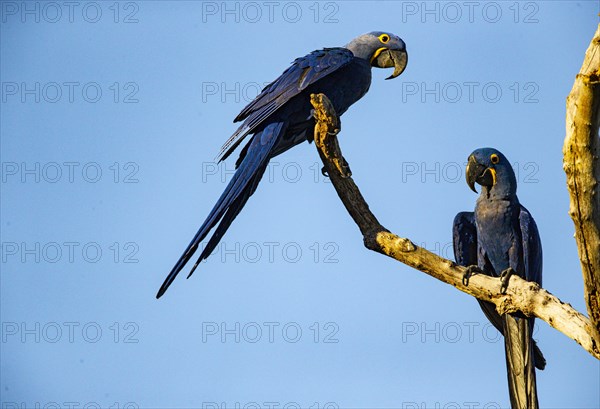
column 581, row 164
column 521, row 295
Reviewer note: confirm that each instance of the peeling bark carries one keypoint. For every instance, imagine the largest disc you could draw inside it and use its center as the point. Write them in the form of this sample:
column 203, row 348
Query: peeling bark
column 521, row 295
column 581, row 165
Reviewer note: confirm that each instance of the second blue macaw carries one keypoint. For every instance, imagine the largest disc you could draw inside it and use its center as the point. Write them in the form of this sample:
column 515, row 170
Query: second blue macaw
column 280, row 118
column 500, row 238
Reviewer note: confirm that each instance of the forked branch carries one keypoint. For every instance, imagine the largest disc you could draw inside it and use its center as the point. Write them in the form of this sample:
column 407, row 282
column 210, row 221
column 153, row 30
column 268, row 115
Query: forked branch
column 521, row 295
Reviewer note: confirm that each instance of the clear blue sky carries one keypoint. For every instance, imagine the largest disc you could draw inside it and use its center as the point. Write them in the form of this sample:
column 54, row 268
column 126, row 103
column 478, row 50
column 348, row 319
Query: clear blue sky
column 111, row 116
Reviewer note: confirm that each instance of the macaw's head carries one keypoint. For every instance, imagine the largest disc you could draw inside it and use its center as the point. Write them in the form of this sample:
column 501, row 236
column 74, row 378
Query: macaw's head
column 382, row 50
column 489, row 168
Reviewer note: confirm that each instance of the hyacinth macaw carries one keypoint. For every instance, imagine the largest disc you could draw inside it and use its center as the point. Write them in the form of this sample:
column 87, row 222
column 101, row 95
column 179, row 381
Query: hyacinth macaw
column 280, row 118
column 500, row 239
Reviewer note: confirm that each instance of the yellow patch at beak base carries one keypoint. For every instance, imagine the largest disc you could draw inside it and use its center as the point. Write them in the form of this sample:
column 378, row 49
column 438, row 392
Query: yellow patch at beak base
column 493, row 172
column 376, row 53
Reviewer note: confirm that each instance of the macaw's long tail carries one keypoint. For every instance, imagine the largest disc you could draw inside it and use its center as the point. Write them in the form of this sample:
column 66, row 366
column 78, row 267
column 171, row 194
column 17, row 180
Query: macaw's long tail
column 236, row 194
column 490, row 312
column 520, row 366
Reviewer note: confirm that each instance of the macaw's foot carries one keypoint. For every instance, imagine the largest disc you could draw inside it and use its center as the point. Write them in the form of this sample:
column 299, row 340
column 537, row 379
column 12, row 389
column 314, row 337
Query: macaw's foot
column 324, row 172
column 335, row 132
column 471, row 270
column 504, row 278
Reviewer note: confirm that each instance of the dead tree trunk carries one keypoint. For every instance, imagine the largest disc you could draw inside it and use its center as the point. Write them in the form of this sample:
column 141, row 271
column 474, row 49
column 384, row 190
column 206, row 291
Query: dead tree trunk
column 581, row 164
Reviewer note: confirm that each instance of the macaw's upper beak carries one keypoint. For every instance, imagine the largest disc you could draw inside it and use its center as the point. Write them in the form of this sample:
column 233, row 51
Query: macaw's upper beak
column 476, row 172
column 388, row 58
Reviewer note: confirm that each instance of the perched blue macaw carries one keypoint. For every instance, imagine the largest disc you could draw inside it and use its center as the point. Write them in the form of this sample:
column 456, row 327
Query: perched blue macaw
column 500, row 239
column 280, row 118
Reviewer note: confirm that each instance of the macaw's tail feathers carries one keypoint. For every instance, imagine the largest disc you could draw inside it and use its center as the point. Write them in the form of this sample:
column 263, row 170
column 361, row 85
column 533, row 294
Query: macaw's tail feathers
column 489, row 309
column 233, row 210
column 520, row 366
column 236, row 194
column 538, row 357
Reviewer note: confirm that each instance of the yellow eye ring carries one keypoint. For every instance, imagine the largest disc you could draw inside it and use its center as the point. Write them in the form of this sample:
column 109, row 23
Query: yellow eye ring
column 384, row 38
column 494, row 158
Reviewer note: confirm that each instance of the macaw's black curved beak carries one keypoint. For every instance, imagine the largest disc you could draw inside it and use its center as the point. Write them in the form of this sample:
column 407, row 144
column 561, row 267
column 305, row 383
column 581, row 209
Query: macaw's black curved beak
column 476, row 172
column 392, row 58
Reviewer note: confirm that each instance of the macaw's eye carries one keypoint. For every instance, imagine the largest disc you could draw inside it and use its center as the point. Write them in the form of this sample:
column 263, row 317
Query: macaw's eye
column 384, row 38
column 494, row 158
